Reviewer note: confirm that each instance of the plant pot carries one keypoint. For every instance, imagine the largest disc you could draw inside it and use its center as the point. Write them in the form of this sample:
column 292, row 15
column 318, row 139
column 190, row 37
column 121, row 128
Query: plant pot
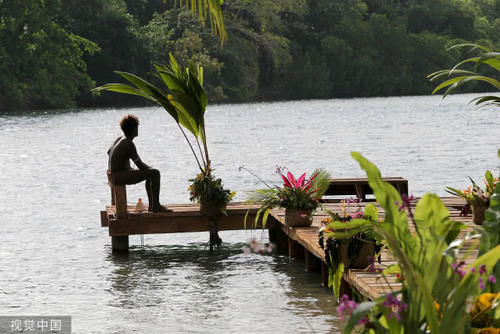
column 207, row 209
column 362, row 260
column 478, row 214
column 297, row 217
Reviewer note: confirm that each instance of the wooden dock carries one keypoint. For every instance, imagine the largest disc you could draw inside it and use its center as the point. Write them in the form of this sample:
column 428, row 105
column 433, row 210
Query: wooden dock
column 184, row 218
column 303, row 242
column 122, row 220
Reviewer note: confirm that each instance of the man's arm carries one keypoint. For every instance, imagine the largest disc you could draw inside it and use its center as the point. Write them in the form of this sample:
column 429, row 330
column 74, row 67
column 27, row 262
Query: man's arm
column 135, row 158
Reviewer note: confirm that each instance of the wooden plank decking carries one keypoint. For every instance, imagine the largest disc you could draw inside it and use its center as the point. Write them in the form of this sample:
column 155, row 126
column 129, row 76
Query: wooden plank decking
column 184, row 218
column 369, row 284
column 123, row 220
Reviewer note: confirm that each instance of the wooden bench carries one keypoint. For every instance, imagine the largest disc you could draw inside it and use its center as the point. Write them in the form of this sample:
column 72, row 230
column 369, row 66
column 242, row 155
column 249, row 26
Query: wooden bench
column 360, row 187
column 118, row 198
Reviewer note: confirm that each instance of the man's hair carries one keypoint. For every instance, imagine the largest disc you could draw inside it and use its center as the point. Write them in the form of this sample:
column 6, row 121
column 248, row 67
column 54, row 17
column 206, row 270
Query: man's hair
column 129, row 123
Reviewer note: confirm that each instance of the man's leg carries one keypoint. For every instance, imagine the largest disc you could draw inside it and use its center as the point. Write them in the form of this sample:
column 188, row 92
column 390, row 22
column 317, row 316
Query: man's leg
column 152, row 178
column 155, row 190
column 150, row 194
column 153, row 184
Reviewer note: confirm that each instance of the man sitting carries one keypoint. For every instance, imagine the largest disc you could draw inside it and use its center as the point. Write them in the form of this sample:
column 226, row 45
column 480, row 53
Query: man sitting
column 119, row 170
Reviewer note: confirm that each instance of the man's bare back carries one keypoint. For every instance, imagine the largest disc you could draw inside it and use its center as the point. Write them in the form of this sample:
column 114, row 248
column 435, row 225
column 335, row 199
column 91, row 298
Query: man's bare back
column 120, row 172
column 120, row 154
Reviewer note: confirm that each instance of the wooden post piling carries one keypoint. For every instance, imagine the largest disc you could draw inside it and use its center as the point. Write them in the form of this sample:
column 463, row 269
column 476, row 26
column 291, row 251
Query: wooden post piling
column 295, row 249
column 312, row 263
column 120, row 200
column 324, row 274
column 119, row 244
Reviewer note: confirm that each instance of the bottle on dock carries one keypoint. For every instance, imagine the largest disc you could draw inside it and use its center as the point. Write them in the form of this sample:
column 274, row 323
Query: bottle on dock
column 140, row 206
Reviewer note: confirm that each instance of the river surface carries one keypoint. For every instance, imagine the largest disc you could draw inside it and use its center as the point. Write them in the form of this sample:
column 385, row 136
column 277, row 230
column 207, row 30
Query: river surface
column 55, row 259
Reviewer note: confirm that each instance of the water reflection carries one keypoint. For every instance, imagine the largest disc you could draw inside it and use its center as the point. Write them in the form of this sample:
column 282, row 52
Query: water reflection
column 303, row 289
column 52, row 180
column 221, row 287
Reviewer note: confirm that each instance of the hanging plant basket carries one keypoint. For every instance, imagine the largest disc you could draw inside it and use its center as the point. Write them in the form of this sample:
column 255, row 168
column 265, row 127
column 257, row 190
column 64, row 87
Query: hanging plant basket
column 297, row 217
column 208, row 209
column 362, row 258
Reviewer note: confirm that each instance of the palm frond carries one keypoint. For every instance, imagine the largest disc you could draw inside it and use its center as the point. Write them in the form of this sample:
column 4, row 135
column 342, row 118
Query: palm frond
column 262, row 195
column 321, row 182
column 208, row 9
column 487, row 57
column 185, row 99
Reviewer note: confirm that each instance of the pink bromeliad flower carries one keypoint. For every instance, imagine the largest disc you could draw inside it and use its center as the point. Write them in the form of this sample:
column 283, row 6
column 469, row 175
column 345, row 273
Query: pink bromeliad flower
column 289, row 181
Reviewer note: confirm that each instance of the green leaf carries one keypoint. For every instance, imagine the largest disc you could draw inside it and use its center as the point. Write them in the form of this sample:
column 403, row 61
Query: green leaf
column 490, row 235
column 454, row 191
column 469, row 60
column 489, row 259
column 125, row 89
column 392, row 269
column 245, row 220
column 170, row 80
column 489, row 177
column 142, row 84
column 492, row 81
column 491, row 59
column 341, row 235
column 473, row 46
column 424, row 286
column 387, row 196
column 431, row 214
column 337, row 279
column 185, row 118
column 257, row 216
column 448, row 83
column 442, row 73
column 353, row 224
column 468, row 287
column 200, row 7
column 264, row 217
column 371, row 212
column 321, row 182
column 484, row 99
column 190, row 106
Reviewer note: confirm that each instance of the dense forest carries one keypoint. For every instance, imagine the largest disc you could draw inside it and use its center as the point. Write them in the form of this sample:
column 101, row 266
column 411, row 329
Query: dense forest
column 54, row 51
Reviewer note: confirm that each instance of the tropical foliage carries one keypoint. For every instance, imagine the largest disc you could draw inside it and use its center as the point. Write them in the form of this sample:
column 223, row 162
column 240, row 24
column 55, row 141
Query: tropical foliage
column 457, row 76
column 207, row 189
column 210, row 9
column 476, row 195
column 437, row 289
column 490, row 234
column 185, row 100
column 345, row 242
column 296, row 193
column 42, row 63
column 275, row 50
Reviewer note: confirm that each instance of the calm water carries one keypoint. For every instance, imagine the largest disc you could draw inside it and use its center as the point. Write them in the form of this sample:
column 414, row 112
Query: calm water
column 56, row 259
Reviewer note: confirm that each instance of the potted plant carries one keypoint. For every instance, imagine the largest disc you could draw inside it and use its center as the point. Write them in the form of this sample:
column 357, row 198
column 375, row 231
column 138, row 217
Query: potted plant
column 346, row 242
column 186, row 101
column 477, row 198
column 210, row 194
column 437, row 291
column 298, row 196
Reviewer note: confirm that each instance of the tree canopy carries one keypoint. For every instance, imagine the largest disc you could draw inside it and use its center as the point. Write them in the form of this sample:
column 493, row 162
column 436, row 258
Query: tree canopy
column 54, row 51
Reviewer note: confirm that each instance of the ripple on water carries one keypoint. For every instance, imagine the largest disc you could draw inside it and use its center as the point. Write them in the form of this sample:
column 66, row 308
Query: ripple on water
column 56, row 259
